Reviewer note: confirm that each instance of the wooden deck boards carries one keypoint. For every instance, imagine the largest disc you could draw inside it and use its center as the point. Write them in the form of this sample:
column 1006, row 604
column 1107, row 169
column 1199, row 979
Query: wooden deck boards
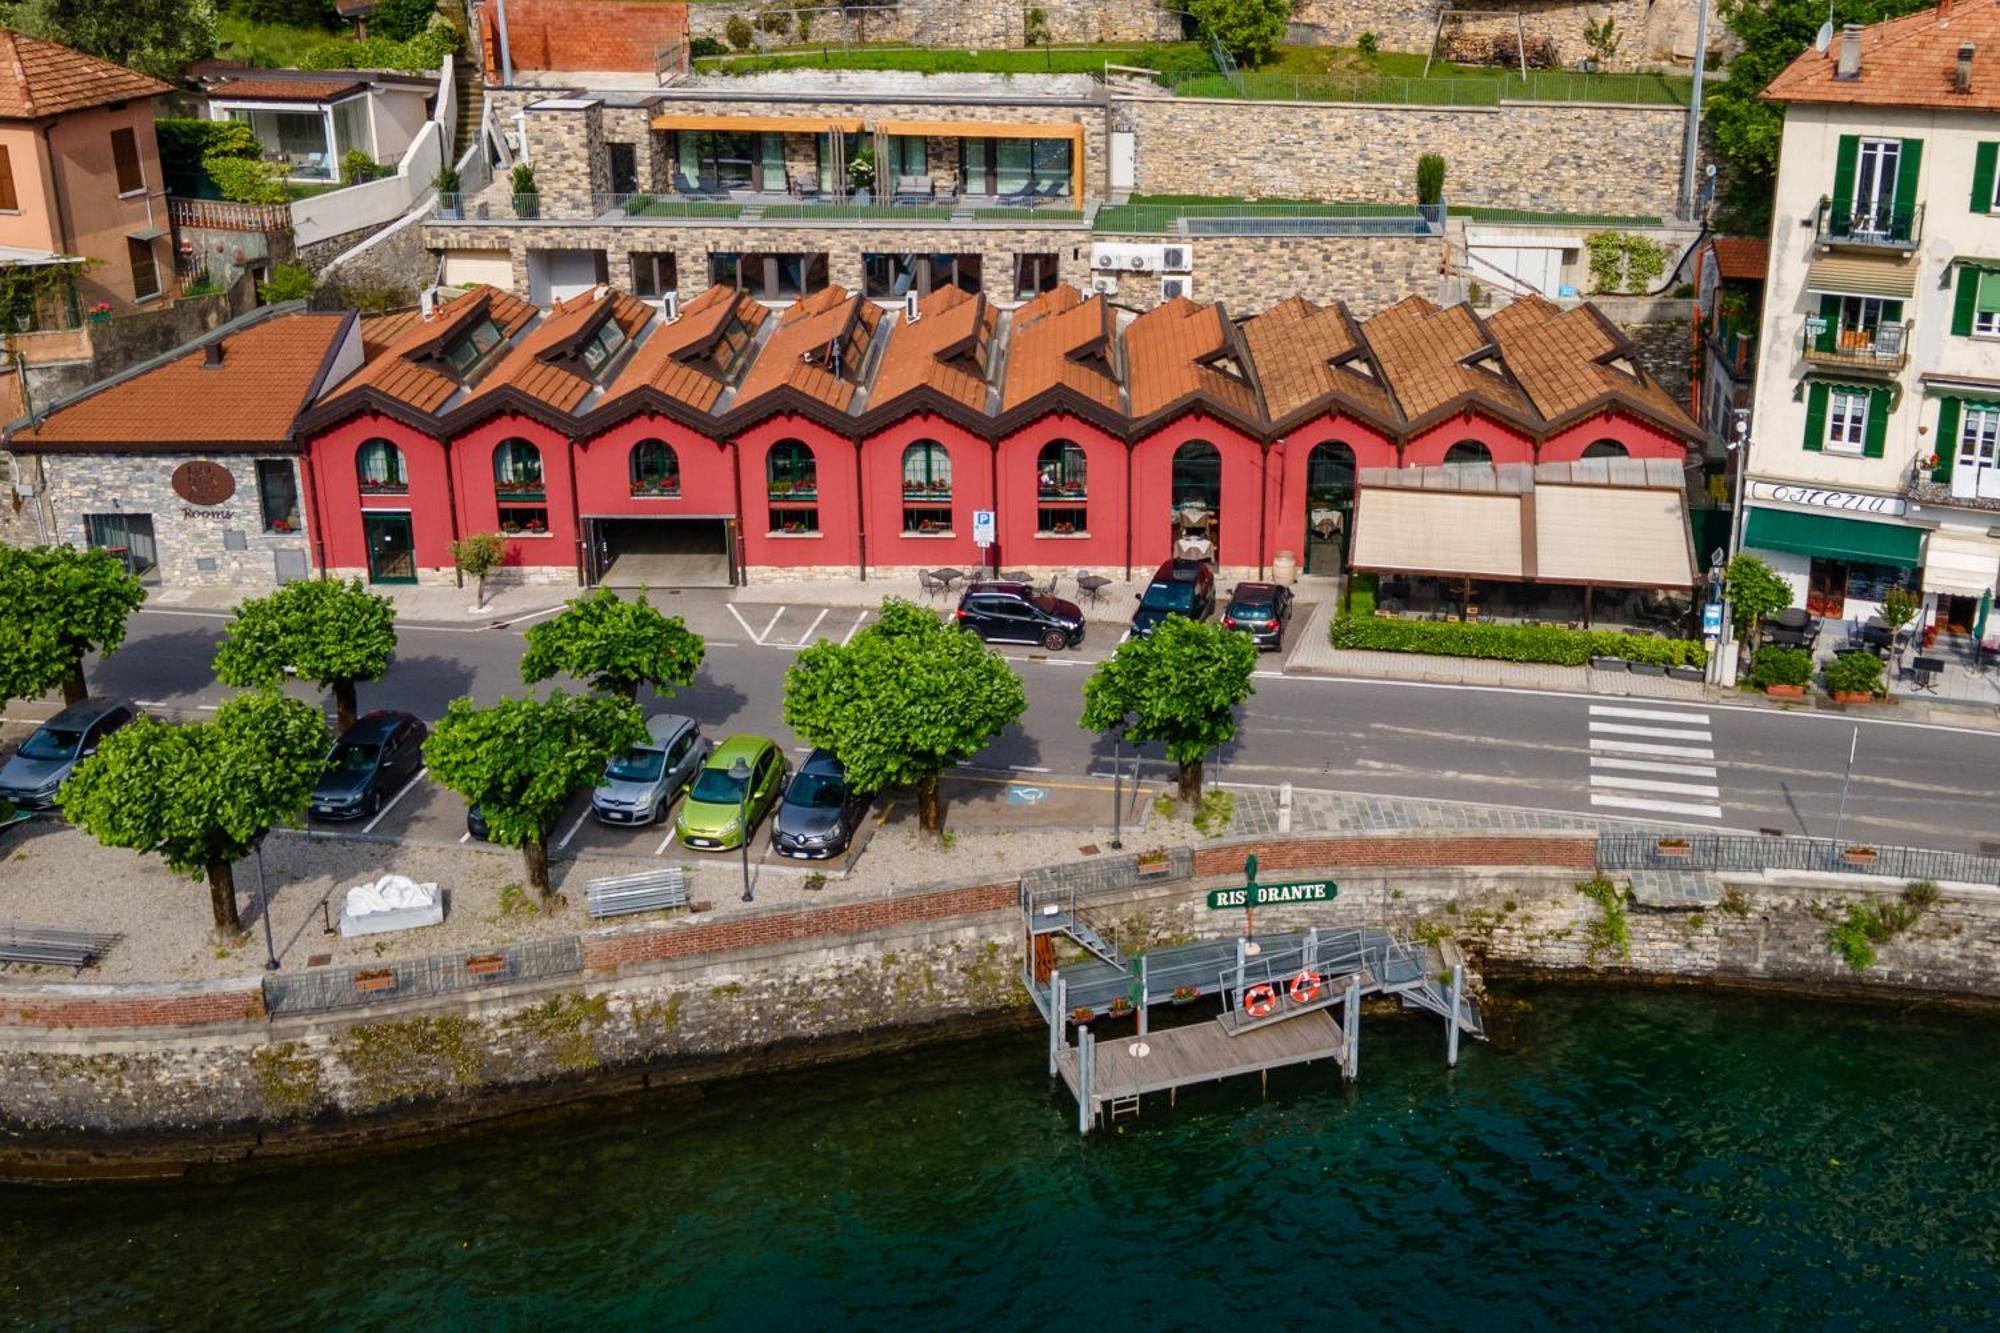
column 1204, row 1053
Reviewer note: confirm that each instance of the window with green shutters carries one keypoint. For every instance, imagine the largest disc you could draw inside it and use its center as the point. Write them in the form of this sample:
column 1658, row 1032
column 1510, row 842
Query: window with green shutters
column 1946, row 436
column 1975, row 307
column 1985, row 157
column 1875, row 188
column 1848, row 419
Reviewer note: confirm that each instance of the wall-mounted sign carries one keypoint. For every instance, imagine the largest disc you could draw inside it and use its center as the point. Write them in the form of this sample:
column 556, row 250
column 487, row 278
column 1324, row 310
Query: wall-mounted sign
column 203, row 484
column 1815, row 497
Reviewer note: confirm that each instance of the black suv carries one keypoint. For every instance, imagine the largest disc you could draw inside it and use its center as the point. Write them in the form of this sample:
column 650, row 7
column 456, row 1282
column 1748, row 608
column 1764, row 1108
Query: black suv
column 1261, row 610
column 369, row 764
column 1016, row 613
column 1179, row 588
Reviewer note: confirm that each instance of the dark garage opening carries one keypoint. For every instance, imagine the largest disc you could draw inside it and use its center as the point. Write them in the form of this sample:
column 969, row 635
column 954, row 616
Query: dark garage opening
column 660, row 552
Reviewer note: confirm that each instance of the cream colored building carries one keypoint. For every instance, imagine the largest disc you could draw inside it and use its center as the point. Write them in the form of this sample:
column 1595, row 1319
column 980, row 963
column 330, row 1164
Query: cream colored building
column 1875, row 431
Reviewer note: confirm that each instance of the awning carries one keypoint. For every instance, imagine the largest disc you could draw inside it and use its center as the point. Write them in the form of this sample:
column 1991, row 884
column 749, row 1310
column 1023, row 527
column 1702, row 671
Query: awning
column 760, row 124
column 981, row 129
column 146, row 234
column 1609, row 536
column 1834, row 538
column 1612, row 536
column 1849, row 275
column 1438, row 532
column 1961, row 565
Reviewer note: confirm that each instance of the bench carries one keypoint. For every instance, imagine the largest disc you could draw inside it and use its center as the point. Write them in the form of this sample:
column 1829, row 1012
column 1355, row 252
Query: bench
column 53, row 946
column 647, row 891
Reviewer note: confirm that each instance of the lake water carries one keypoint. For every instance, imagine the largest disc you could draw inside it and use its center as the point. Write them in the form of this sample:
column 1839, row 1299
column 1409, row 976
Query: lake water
column 1629, row 1159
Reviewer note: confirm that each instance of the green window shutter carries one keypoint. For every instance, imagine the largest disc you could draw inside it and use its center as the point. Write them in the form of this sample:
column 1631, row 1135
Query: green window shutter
column 1876, row 433
column 1843, row 174
column 1815, row 417
column 1829, row 318
column 1906, row 178
column 1946, row 437
column 1984, row 158
column 1962, row 302
column 1892, row 312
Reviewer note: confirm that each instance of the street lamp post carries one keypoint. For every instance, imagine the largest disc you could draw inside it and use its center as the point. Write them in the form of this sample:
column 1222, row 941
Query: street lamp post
column 264, row 907
column 1117, row 792
column 740, row 771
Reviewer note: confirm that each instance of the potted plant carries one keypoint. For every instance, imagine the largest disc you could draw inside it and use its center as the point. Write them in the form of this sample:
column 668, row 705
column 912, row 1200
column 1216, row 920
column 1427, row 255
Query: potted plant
column 1120, row 1006
column 1083, row 1013
column 778, row 488
column 1781, row 672
column 1673, row 847
column 98, row 313
column 527, row 203
column 1186, row 994
column 1153, row 861
column 1854, row 678
column 446, row 183
column 1860, row 856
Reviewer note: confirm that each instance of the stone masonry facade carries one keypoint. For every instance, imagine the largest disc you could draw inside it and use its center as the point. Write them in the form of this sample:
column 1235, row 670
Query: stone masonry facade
column 955, row 24
column 1651, row 33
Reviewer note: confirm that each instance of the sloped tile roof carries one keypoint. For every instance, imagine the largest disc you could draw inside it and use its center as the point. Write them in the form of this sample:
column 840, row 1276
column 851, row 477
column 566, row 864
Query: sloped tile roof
column 677, row 359
column 1431, row 358
column 1908, row 61
column 1061, row 338
column 405, row 369
column 1742, row 258
column 1305, row 353
column 1566, row 360
column 540, row 364
column 795, row 355
column 253, row 89
column 946, row 350
column 1179, row 349
column 39, row 78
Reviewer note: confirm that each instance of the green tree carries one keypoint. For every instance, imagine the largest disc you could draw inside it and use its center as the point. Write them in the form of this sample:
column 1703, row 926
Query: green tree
column 614, row 644
column 520, row 760
column 200, row 794
column 479, row 554
column 322, row 630
column 400, row 20
column 902, row 701
column 288, row 282
column 57, row 604
column 1745, row 131
column 1249, row 30
column 1755, row 591
column 155, row 37
column 1180, row 685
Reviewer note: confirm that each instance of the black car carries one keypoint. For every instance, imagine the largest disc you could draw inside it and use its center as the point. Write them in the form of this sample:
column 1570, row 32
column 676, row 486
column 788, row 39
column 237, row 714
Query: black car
column 1179, row 588
column 30, row 778
column 820, row 811
column 1261, row 610
column 369, row 764
column 1017, row 613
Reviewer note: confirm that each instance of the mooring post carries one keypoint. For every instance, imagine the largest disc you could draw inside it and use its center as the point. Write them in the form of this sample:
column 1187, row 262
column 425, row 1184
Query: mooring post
column 1241, row 955
column 1086, row 1057
column 1312, row 948
column 1457, row 1000
column 1145, row 995
column 1351, row 1012
column 1056, row 1012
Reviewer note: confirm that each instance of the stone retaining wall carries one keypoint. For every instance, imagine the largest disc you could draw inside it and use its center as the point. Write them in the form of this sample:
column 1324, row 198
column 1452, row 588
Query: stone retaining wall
column 1651, row 33
column 954, row 24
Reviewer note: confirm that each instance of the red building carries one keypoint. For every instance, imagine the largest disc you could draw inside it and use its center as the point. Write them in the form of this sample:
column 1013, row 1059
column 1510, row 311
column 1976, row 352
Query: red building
column 732, row 443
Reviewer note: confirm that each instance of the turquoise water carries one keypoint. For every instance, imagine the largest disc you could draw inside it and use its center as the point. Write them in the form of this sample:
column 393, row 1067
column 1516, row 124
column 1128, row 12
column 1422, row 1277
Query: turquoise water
column 1622, row 1159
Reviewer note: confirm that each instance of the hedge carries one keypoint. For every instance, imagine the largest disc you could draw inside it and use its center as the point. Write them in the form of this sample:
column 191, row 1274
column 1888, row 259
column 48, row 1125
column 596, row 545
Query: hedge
column 1774, row 665
column 1510, row 643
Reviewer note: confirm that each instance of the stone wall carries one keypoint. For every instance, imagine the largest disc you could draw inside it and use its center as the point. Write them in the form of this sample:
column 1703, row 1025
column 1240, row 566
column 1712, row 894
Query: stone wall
column 1651, row 33
column 1249, row 274
column 1661, row 332
column 1561, row 157
column 393, row 260
column 955, row 24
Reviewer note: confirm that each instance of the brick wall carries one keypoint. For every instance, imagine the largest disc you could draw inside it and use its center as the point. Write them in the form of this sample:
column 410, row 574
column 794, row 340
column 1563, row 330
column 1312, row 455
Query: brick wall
column 581, row 34
column 130, row 1006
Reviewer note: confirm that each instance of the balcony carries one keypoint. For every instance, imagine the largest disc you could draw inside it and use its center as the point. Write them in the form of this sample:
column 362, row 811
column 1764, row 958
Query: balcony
column 1880, row 351
column 1929, row 482
column 1883, row 227
column 495, row 205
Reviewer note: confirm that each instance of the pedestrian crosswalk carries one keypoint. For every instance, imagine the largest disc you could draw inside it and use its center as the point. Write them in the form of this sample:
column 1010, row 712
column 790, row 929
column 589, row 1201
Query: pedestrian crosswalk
column 1659, row 760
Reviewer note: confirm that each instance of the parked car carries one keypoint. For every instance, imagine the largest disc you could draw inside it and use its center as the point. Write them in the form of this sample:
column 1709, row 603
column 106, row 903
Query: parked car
column 29, row 778
column 1017, row 613
column 820, row 811
column 717, row 815
column 1180, row 587
column 639, row 785
column 1261, row 610
column 369, row 764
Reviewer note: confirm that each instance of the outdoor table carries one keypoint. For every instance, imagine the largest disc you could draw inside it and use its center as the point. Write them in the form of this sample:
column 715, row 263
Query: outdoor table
column 948, row 577
column 1016, row 576
column 1092, row 585
column 1785, row 636
column 1928, row 670
column 1792, row 617
column 1876, row 633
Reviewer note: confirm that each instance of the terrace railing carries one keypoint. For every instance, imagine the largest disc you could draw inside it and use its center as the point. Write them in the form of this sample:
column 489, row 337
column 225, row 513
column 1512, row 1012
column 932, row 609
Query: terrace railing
column 330, row 988
column 1748, row 852
column 1887, row 225
column 1536, row 86
column 1275, row 219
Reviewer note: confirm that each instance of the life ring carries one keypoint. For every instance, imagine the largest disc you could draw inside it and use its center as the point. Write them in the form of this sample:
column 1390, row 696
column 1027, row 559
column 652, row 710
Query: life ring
column 1304, row 988
column 1260, row 1000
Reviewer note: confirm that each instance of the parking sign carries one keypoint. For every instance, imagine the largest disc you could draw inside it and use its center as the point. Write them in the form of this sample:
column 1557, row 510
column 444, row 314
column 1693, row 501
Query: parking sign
column 1711, row 620
column 982, row 527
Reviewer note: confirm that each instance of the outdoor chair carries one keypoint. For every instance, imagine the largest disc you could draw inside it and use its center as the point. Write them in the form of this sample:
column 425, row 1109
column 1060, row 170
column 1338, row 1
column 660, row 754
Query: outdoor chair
column 929, row 584
column 915, row 189
column 802, row 186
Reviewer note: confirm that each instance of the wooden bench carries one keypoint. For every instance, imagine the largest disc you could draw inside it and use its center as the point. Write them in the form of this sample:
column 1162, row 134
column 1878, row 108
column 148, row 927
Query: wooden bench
column 647, row 891
column 53, row 946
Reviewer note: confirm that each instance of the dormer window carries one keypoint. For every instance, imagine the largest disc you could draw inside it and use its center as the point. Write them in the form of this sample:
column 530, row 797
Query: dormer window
column 600, row 347
column 734, row 341
column 469, row 349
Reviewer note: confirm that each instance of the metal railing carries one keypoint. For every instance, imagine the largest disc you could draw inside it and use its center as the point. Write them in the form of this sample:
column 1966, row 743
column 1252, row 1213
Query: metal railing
column 331, row 988
column 1275, row 219
column 1746, row 852
column 1886, row 224
column 1550, row 86
column 1885, row 348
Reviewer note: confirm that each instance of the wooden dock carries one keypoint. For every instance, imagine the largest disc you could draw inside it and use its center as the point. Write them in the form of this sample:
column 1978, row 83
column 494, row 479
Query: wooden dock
column 1197, row 1053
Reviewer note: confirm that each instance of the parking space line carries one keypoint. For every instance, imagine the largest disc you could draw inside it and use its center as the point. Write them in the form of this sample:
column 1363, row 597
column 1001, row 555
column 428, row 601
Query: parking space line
column 369, row 827
column 854, row 628
column 465, row 837
column 1027, row 768
column 731, row 608
column 806, row 638
column 765, row 636
column 573, row 829
column 665, row 843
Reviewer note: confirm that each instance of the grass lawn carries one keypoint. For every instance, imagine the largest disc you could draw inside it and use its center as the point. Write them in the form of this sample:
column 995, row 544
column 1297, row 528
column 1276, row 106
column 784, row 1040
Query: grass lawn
column 1339, row 74
column 876, row 212
column 677, row 208
column 1032, row 60
column 1158, row 212
column 270, row 45
column 1027, row 215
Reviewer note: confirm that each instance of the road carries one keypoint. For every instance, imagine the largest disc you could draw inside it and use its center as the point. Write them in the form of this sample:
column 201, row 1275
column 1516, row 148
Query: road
column 1722, row 766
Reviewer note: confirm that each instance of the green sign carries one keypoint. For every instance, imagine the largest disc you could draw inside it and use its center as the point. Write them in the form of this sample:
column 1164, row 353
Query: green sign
column 1273, row 895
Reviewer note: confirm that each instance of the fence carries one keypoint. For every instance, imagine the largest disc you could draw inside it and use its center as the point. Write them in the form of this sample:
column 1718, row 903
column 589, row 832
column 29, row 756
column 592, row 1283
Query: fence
column 338, row 212
column 325, row 989
column 1083, row 880
column 1744, row 852
column 1555, row 86
column 1274, row 219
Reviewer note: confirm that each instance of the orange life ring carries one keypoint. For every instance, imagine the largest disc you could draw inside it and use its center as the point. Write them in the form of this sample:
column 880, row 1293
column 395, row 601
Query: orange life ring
column 1305, row 987
column 1260, row 1000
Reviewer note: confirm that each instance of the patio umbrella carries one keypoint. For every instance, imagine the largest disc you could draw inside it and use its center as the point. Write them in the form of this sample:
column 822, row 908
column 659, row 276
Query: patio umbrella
column 1985, row 605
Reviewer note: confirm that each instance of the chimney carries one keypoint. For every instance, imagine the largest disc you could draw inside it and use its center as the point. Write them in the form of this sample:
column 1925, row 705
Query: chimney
column 1963, row 81
column 1849, row 66
column 211, row 354
column 1943, row 10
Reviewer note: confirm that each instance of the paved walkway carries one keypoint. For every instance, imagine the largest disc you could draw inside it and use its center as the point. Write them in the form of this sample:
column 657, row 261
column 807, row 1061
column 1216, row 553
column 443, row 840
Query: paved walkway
column 414, row 605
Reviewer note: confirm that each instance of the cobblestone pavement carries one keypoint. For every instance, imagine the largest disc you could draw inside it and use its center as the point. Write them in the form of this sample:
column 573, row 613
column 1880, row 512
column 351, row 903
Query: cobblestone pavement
column 1335, row 812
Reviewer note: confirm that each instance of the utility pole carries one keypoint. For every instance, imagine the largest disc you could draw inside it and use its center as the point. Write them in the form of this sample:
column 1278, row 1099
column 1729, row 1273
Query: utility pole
column 1694, row 108
column 1845, row 780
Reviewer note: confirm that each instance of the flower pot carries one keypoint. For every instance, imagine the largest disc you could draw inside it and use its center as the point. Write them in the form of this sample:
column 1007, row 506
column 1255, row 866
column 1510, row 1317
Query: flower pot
column 1785, row 691
column 1693, row 673
column 1154, row 866
column 1853, row 697
column 1860, row 856
column 1608, row 664
column 1675, row 848
column 1646, row 668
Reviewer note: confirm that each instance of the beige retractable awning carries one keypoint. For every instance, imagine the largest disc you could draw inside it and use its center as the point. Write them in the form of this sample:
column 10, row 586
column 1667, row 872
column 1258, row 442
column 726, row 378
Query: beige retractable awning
column 1438, row 532
column 1611, row 536
column 759, row 124
column 1608, row 536
column 1961, row 565
column 1864, row 275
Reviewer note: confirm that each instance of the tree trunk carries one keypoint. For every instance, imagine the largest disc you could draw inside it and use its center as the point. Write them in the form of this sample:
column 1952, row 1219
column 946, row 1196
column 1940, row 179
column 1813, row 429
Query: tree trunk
column 74, row 690
column 930, row 809
column 343, row 704
column 535, row 852
column 222, row 901
column 1190, row 781
column 482, row 592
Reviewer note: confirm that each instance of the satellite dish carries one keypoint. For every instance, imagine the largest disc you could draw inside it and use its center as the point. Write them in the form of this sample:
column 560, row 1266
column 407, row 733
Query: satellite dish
column 1824, row 37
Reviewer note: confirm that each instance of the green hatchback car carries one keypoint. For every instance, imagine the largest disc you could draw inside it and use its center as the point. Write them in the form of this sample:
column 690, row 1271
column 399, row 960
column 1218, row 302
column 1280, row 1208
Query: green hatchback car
column 716, row 817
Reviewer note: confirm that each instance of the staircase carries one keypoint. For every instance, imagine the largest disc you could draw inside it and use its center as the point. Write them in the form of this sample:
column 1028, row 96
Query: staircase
column 1074, row 926
column 471, row 105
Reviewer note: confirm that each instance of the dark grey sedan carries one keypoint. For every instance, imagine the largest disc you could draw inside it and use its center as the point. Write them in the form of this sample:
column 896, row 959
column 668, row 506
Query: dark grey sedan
column 369, row 764
column 30, row 777
column 820, row 811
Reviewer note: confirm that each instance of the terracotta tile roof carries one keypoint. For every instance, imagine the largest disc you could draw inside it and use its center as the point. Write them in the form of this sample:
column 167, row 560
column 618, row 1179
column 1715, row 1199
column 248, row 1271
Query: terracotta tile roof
column 796, row 354
column 380, row 332
column 1306, row 353
column 1178, row 349
column 1742, row 258
column 1567, row 359
column 1909, row 61
column 285, row 90
column 680, row 359
column 39, row 78
column 542, row 364
column 268, row 371
column 947, row 350
column 1430, row 357
column 1063, row 338
column 408, row 369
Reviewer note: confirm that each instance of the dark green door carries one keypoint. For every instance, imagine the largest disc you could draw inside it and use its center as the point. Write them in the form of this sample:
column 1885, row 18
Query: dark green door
column 1329, row 507
column 392, row 553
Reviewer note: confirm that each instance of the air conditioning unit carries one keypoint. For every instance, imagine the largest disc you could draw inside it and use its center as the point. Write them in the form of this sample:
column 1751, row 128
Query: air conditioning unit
column 1177, row 258
column 670, row 302
column 1108, row 256
column 1104, row 284
column 1126, row 258
column 911, row 309
column 1177, row 285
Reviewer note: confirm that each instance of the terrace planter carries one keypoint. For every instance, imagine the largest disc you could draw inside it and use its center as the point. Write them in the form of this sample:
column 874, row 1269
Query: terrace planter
column 1608, row 664
column 381, row 979
column 1693, row 673
column 1860, row 856
column 1853, row 697
column 1673, row 848
column 1646, row 668
column 1785, row 691
column 1153, row 865
column 527, row 206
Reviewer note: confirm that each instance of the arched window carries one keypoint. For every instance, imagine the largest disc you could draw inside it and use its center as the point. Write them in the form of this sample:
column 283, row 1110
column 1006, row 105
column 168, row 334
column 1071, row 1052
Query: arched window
column 927, row 489
column 1061, row 492
column 379, row 464
column 1606, row 449
column 1330, row 472
column 656, row 469
column 1197, row 480
column 1468, row 451
column 1329, row 499
column 792, row 477
column 517, row 471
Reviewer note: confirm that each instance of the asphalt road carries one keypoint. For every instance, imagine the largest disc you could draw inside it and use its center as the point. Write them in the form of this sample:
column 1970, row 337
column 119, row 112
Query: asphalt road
column 1717, row 766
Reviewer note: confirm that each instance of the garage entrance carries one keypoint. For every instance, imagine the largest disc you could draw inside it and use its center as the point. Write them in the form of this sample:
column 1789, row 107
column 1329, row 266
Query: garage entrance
column 660, row 552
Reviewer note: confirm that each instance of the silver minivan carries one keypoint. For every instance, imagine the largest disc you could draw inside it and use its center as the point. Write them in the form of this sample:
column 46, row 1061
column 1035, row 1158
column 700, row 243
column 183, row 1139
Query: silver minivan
column 639, row 785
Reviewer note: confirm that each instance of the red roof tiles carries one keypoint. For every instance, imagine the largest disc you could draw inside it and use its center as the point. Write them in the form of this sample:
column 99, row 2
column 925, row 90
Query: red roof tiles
column 1061, row 339
column 946, row 350
column 1435, row 358
column 411, row 370
column 1181, row 349
column 818, row 349
column 286, row 90
column 691, row 359
column 542, row 363
column 1742, row 258
column 1909, row 61
column 39, row 78
column 1305, row 354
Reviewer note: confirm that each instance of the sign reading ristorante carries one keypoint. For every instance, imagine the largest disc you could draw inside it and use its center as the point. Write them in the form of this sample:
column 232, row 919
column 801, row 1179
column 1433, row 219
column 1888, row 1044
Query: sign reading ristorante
column 1253, row 894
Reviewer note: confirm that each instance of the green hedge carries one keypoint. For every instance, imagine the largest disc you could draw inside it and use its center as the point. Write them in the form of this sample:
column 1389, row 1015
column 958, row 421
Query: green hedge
column 1780, row 666
column 1360, row 596
column 1854, row 673
column 1510, row 643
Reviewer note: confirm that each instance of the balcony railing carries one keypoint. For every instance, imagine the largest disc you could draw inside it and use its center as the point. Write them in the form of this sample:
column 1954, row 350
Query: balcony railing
column 1883, row 350
column 1929, row 481
column 496, row 205
column 1886, row 225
